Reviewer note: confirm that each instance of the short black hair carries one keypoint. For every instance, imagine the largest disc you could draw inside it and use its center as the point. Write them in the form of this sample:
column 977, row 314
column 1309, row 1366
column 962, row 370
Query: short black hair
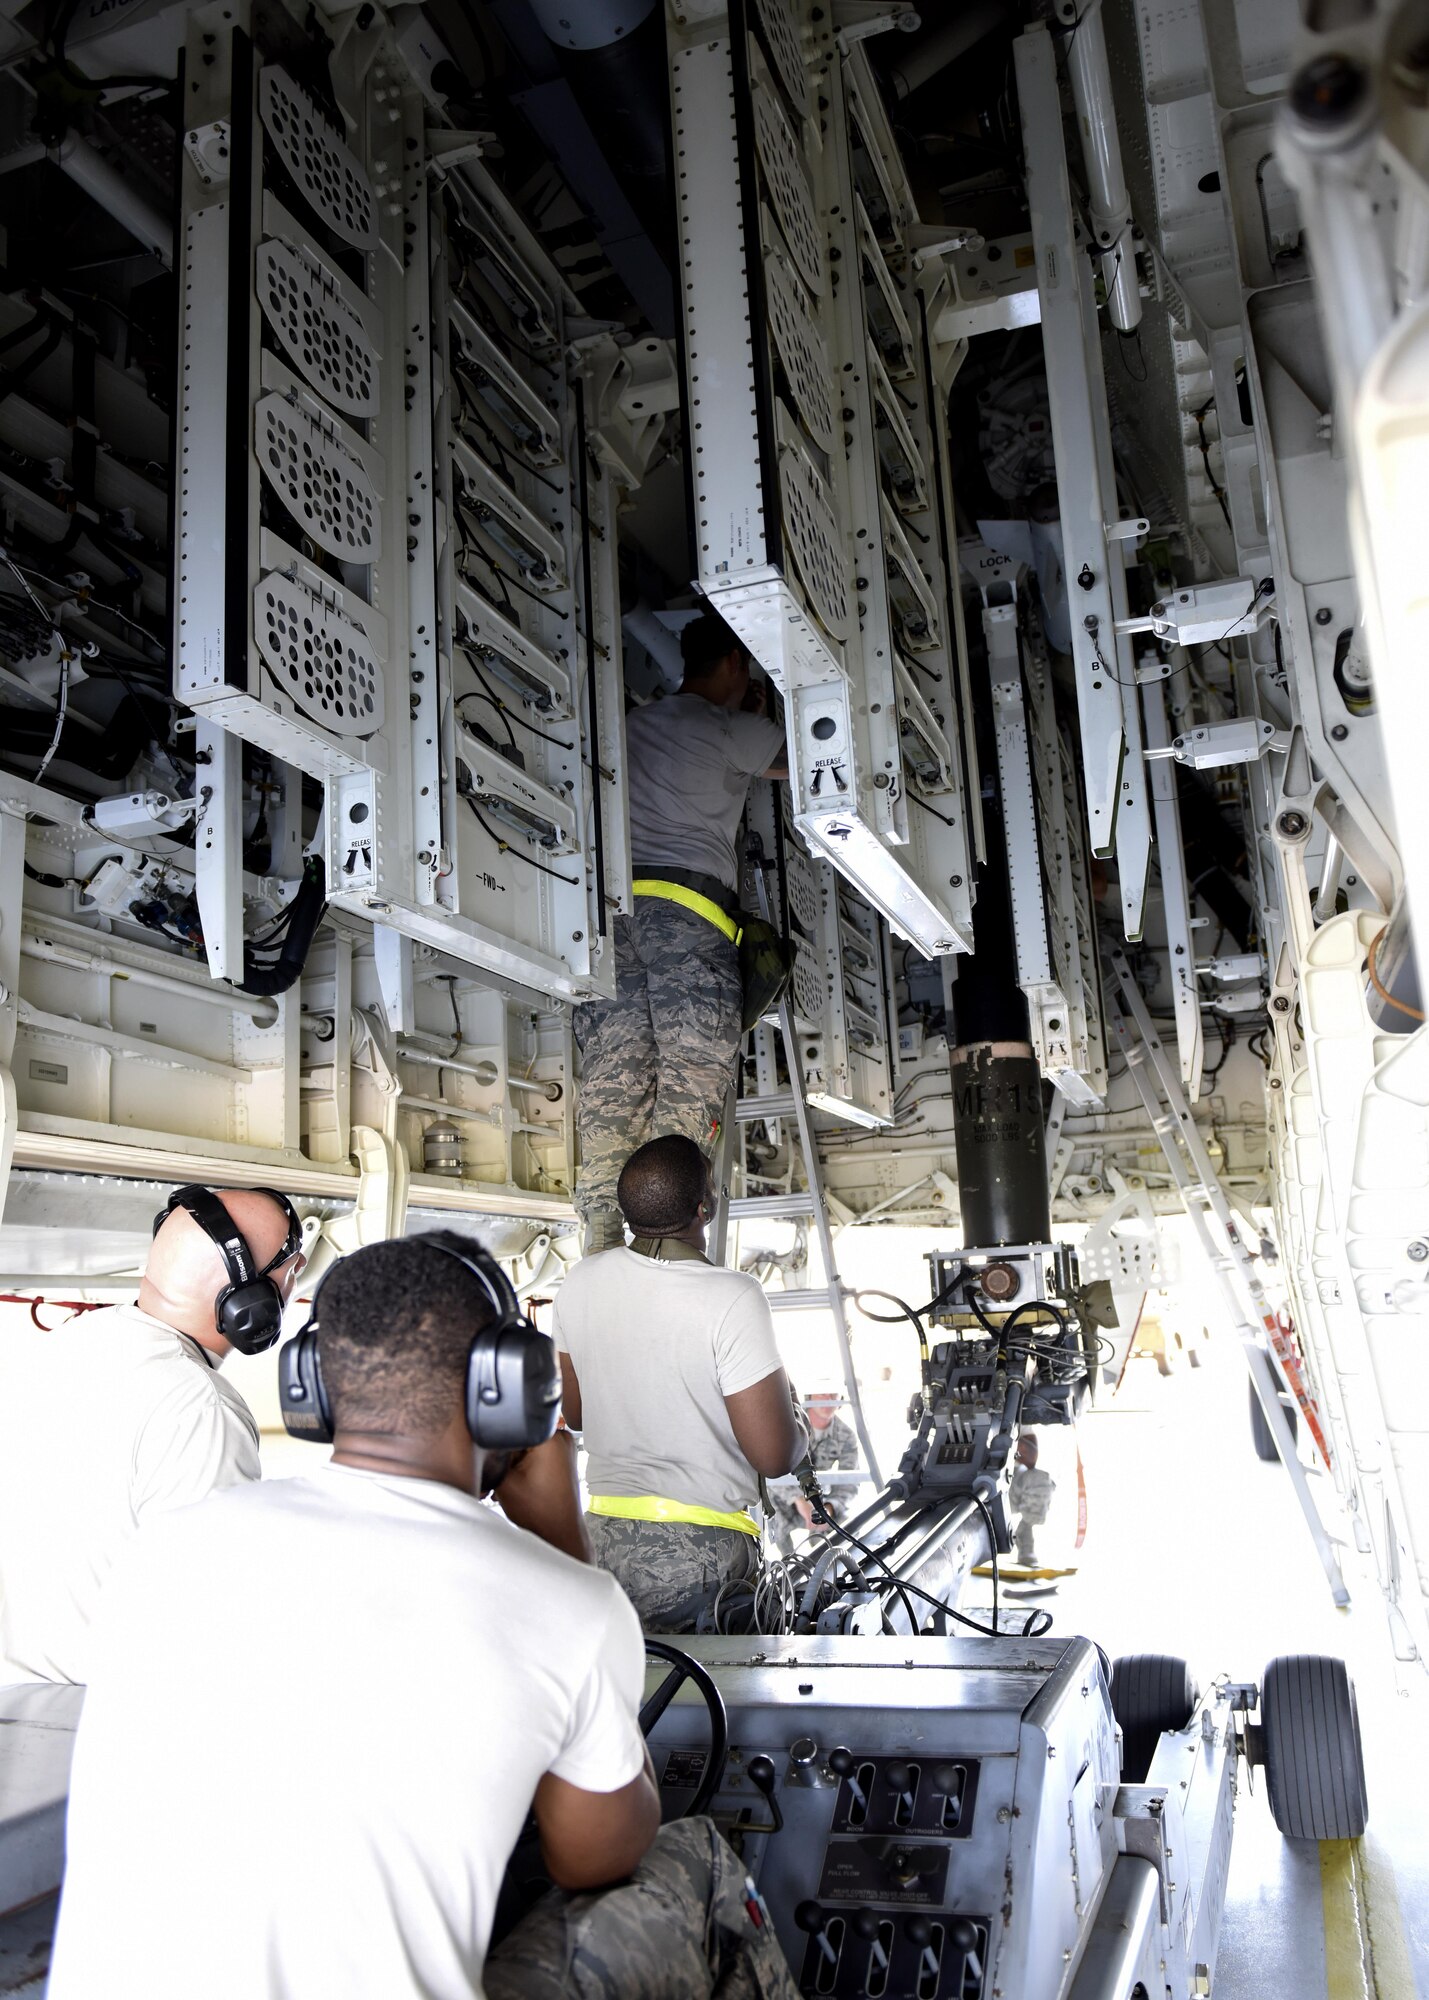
column 662, row 1185
column 704, row 642
column 395, row 1327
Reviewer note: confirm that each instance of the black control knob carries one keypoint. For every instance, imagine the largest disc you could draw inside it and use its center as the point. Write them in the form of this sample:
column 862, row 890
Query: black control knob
column 899, row 1776
column 962, row 1935
column 809, row 1916
column 865, row 1924
column 947, row 1778
column 842, row 1762
column 918, row 1930
column 762, row 1775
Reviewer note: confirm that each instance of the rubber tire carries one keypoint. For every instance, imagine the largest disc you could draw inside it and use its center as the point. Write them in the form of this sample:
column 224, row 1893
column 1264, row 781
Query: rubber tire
column 1314, row 1759
column 1150, row 1693
column 1265, row 1449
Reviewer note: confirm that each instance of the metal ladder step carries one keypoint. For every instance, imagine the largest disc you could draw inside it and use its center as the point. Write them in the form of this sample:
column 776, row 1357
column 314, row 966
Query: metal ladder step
column 813, row 1298
column 776, row 1207
column 772, row 1104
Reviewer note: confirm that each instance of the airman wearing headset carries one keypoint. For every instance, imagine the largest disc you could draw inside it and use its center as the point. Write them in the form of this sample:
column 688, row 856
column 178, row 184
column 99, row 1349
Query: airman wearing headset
column 406, row 1676
column 121, row 1414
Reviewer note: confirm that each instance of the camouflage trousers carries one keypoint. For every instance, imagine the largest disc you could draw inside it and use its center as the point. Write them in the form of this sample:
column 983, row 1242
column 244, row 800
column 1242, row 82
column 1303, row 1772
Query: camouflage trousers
column 671, row 1570
column 677, row 1930
column 659, row 1057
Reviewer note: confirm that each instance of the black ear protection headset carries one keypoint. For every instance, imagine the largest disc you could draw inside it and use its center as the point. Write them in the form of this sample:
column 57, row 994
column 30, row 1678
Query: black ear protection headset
column 513, row 1381
column 248, row 1312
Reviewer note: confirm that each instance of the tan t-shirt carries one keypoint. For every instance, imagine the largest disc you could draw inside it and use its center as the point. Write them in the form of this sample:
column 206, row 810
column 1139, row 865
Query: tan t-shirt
column 690, row 766
column 104, row 1420
column 657, row 1347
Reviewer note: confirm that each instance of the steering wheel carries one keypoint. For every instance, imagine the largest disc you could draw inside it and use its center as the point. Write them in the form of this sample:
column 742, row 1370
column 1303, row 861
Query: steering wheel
column 684, row 1668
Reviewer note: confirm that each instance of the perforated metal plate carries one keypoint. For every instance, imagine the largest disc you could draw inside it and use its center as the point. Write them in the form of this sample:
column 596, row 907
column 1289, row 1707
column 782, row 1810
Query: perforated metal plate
column 811, row 532
column 780, row 23
column 325, row 340
column 322, row 663
column 328, row 175
column 316, row 481
column 785, row 177
column 810, row 991
column 801, row 346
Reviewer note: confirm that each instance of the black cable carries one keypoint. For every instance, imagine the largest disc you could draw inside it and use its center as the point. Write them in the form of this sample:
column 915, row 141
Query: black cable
column 991, row 1526
column 939, row 1604
column 505, row 847
column 1134, row 336
column 306, row 911
column 484, row 694
column 1199, row 417
column 514, row 714
column 919, row 800
column 905, row 1311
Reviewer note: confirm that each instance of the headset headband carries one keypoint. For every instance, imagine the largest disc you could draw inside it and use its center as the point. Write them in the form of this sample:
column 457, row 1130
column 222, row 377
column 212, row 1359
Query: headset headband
column 513, row 1383
column 221, row 1229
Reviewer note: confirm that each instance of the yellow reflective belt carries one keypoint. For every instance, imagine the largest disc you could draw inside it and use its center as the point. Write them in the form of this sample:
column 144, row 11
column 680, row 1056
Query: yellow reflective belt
column 691, row 899
column 647, row 1507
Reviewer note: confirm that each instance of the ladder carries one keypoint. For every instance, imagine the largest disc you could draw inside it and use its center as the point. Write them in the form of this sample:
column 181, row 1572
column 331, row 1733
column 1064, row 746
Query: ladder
column 1158, row 1083
column 810, row 1205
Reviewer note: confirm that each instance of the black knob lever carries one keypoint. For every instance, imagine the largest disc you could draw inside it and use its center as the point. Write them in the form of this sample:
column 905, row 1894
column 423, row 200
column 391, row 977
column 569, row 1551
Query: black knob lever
column 809, row 1916
column 919, row 1931
column 867, row 1926
column 762, row 1774
column 963, row 1937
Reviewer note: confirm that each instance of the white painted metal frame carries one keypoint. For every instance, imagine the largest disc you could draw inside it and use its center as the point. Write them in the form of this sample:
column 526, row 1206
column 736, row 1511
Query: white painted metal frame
column 800, row 547
column 1116, row 785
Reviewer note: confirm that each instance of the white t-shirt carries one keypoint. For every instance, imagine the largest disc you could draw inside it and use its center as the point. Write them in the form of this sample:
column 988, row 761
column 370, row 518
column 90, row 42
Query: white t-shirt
column 690, row 766
column 657, row 1347
column 319, row 1711
column 108, row 1419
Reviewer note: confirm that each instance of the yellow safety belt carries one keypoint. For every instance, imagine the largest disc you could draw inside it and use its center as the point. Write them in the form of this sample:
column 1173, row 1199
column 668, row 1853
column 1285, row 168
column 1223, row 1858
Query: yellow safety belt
column 691, row 899
column 647, row 1507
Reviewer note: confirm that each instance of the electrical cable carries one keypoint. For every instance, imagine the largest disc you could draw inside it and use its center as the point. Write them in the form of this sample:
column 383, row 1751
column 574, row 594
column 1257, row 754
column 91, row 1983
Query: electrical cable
column 1400, row 1006
column 905, row 1311
column 1199, row 418
column 939, row 1604
column 505, row 712
column 919, row 800
column 505, row 847
column 269, row 977
column 991, row 1526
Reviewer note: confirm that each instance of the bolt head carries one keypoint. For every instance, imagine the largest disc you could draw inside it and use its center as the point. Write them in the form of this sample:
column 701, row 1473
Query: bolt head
column 1280, row 1004
column 1339, row 732
column 1292, row 824
column 1418, row 1252
column 1324, row 615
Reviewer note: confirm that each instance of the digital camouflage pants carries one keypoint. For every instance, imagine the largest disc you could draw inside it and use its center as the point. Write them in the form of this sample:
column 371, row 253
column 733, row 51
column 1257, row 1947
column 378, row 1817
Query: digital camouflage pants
column 677, row 1930
column 659, row 1057
column 671, row 1570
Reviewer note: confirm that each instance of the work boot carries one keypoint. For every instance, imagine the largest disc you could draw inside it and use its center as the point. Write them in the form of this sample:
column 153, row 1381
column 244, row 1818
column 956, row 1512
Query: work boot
column 604, row 1230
